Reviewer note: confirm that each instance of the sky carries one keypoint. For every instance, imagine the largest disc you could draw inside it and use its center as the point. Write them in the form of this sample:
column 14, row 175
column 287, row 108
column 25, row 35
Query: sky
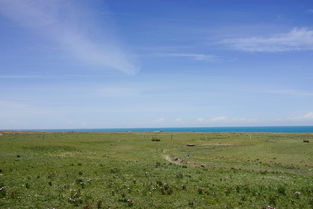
column 157, row 63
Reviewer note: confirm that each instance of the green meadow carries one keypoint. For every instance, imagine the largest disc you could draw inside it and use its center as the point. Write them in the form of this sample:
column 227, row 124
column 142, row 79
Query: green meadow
column 156, row 170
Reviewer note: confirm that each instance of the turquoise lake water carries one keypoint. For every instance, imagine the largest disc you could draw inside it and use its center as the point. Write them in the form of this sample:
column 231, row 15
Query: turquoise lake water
column 269, row 129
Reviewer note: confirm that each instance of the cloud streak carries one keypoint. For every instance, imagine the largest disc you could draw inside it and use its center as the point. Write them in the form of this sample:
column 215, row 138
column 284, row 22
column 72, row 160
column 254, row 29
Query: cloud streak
column 230, row 119
column 225, row 119
column 306, row 117
column 194, row 56
column 68, row 25
column 290, row 92
column 298, row 39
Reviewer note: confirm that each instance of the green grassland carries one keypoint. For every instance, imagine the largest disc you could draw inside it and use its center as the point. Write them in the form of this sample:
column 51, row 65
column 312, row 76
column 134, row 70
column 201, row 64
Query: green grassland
column 129, row 170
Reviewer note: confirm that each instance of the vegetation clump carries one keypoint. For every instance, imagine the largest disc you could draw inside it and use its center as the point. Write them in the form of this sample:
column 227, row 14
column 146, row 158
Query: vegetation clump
column 155, row 139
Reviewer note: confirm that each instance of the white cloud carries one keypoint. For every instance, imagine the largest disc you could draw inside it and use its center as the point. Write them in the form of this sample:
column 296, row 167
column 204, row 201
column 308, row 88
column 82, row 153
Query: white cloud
column 23, row 76
column 63, row 22
column 194, row 56
column 290, row 92
column 231, row 119
column 200, row 120
column 179, row 120
column 295, row 40
column 306, row 117
column 160, row 120
column 225, row 119
column 220, row 119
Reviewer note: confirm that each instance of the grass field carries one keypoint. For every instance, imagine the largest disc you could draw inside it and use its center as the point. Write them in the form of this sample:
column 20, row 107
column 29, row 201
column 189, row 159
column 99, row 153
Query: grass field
column 129, row 170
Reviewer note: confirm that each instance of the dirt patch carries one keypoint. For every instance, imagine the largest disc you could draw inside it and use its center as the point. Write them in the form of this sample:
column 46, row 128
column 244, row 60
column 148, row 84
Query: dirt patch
column 176, row 160
column 217, row 144
column 179, row 161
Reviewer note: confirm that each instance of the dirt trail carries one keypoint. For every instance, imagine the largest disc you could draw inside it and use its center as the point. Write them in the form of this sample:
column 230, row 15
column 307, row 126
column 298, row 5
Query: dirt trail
column 216, row 144
column 169, row 159
column 179, row 161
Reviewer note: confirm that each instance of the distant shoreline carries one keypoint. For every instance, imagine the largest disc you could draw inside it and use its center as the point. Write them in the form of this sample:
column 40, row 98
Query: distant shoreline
column 250, row 129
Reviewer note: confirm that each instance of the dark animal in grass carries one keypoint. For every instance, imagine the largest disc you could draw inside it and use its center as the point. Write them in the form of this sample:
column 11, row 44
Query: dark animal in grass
column 306, row 141
column 190, row 145
column 154, row 139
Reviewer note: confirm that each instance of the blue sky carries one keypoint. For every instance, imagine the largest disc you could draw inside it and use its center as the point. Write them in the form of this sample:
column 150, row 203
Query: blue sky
column 139, row 63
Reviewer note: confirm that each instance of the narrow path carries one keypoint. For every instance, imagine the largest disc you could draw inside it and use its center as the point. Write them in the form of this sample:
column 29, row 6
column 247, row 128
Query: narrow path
column 179, row 161
column 169, row 159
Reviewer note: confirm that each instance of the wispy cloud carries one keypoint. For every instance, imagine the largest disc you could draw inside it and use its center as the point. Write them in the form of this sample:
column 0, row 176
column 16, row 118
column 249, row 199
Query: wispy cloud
column 194, row 56
column 160, row 120
column 306, row 117
column 179, row 120
column 23, row 77
column 69, row 26
column 231, row 119
column 290, row 92
column 310, row 10
column 225, row 119
column 295, row 40
column 200, row 120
